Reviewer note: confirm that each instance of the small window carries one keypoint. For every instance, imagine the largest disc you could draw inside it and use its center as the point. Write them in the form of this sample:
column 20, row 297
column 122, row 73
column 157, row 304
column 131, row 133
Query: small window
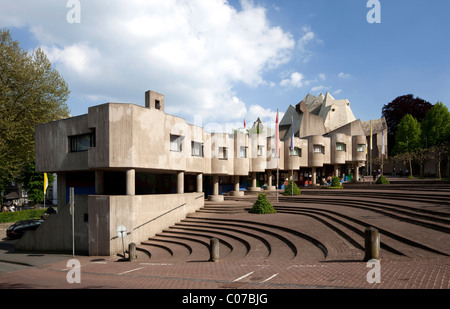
column 260, row 151
column 157, row 104
column 318, row 149
column 82, row 142
column 197, row 149
column 176, row 143
column 296, row 152
column 341, row 147
column 223, row 153
column 243, row 152
column 361, row 147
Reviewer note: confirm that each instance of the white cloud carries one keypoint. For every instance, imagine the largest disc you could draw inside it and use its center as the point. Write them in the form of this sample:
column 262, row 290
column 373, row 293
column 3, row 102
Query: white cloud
column 194, row 52
column 322, row 76
column 320, row 88
column 338, row 91
column 344, row 75
column 295, row 80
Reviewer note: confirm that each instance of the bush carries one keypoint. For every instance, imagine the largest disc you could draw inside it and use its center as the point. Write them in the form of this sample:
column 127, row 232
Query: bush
column 14, row 216
column 288, row 189
column 382, row 180
column 262, row 205
column 335, row 182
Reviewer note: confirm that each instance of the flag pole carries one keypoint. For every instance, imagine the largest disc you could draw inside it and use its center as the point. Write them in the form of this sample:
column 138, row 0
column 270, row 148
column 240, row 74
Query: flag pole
column 277, row 141
column 290, row 154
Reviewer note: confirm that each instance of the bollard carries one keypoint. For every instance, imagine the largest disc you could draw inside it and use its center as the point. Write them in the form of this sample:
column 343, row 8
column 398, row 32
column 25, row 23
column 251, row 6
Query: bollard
column 132, row 251
column 214, row 250
column 372, row 244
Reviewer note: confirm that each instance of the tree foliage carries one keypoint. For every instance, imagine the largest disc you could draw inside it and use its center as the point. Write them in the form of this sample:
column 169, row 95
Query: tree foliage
column 408, row 139
column 31, row 92
column 398, row 108
column 436, row 125
column 292, row 189
column 34, row 182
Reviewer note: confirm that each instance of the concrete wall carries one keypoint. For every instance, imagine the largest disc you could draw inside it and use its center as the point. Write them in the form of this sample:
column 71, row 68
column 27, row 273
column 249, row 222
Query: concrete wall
column 142, row 215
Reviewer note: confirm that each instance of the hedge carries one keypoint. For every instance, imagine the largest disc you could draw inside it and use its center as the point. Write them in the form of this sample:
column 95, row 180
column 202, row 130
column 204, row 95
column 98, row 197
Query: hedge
column 382, row 180
column 14, row 216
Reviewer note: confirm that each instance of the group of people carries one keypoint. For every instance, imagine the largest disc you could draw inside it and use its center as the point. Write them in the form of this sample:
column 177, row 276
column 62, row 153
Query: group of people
column 12, row 207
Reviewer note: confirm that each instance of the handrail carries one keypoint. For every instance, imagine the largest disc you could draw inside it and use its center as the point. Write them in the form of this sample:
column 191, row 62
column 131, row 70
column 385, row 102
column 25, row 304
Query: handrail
column 159, row 216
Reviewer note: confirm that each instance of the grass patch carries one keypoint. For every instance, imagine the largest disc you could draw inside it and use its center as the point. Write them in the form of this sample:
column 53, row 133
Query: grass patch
column 14, row 216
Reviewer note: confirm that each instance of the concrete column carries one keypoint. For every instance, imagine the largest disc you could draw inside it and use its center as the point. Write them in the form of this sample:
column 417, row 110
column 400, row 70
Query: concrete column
column 269, row 181
column 254, row 187
column 200, row 183
column 236, row 183
column 99, row 182
column 131, row 182
column 314, row 176
column 336, row 170
column 180, row 182
column 356, row 175
column 215, row 184
column 372, row 244
column 215, row 196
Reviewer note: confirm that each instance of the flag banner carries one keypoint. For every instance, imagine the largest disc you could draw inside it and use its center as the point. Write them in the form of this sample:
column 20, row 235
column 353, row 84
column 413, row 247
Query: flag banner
column 277, row 136
column 292, row 133
column 45, row 183
column 370, row 135
column 382, row 142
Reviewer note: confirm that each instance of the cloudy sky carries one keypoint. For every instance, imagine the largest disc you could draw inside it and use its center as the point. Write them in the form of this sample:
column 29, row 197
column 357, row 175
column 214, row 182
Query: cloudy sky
column 230, row 60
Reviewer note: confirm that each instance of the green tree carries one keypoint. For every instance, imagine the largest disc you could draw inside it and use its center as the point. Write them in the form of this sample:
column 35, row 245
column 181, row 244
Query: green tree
column 31, row 92
column 34, row 182
column 262, row 205
column 408, row 138
column 436, row 125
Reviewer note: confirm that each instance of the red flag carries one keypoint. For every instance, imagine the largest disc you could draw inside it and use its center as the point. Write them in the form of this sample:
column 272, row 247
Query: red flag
column 277, row 136
column 244, row 123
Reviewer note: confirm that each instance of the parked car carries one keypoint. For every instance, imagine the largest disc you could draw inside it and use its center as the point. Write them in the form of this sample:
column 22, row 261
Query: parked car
column 20, row 228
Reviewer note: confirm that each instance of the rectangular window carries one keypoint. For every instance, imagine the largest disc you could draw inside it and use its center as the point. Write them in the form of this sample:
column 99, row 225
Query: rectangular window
column 197, row 149
column 318, row 149
column 176, row 143
column 361, row 147
column 223, row 153
column 296, row 152
column 243, row 152
column 341, row 147
column 260, row 151
column 82, row 142
column 157, row 104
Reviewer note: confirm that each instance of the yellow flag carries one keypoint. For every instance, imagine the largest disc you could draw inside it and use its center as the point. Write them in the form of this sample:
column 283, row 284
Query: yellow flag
column 45, row 182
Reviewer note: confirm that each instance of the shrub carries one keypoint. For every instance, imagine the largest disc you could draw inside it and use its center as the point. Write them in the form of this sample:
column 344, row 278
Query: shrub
column 382, row 180
column 335, row 182
column 288, row 189
column 14, row 216
column 262, row 205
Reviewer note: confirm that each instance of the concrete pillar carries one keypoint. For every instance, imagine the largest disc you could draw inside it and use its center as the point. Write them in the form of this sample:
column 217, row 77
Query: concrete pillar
column 314, row 176
column 199, row 183
column 270, row 181
column 372, row 244
column 180, row 182
column 215, row 184
column 236, row 183
column 131, row 181
column 99, row 182
column 214, row 250
column 254, row 187
column 215, row 196
column 356, row 175
column 336, row 170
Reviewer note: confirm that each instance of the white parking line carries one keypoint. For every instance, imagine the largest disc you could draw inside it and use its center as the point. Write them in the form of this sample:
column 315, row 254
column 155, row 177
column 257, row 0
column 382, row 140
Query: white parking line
column 243, row 276
column 129, row 271
column 271, row 277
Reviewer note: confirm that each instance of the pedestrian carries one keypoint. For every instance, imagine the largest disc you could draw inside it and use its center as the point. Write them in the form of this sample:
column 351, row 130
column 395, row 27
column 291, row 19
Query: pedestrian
column 393, row 173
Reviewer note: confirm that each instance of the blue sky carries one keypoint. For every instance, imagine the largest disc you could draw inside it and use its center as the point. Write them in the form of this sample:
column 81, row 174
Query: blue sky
column 227, row 61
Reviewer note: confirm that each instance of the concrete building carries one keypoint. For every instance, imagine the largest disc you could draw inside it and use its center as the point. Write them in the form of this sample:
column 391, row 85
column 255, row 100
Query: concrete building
column 138, row 167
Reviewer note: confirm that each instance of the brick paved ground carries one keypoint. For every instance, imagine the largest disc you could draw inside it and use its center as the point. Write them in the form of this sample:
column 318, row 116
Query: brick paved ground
column 248, row 263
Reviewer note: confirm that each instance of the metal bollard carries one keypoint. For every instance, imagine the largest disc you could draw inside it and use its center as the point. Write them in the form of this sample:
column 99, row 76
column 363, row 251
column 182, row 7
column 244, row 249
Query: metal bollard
column 132, row 251
column 214, row 250
column 372, row 244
